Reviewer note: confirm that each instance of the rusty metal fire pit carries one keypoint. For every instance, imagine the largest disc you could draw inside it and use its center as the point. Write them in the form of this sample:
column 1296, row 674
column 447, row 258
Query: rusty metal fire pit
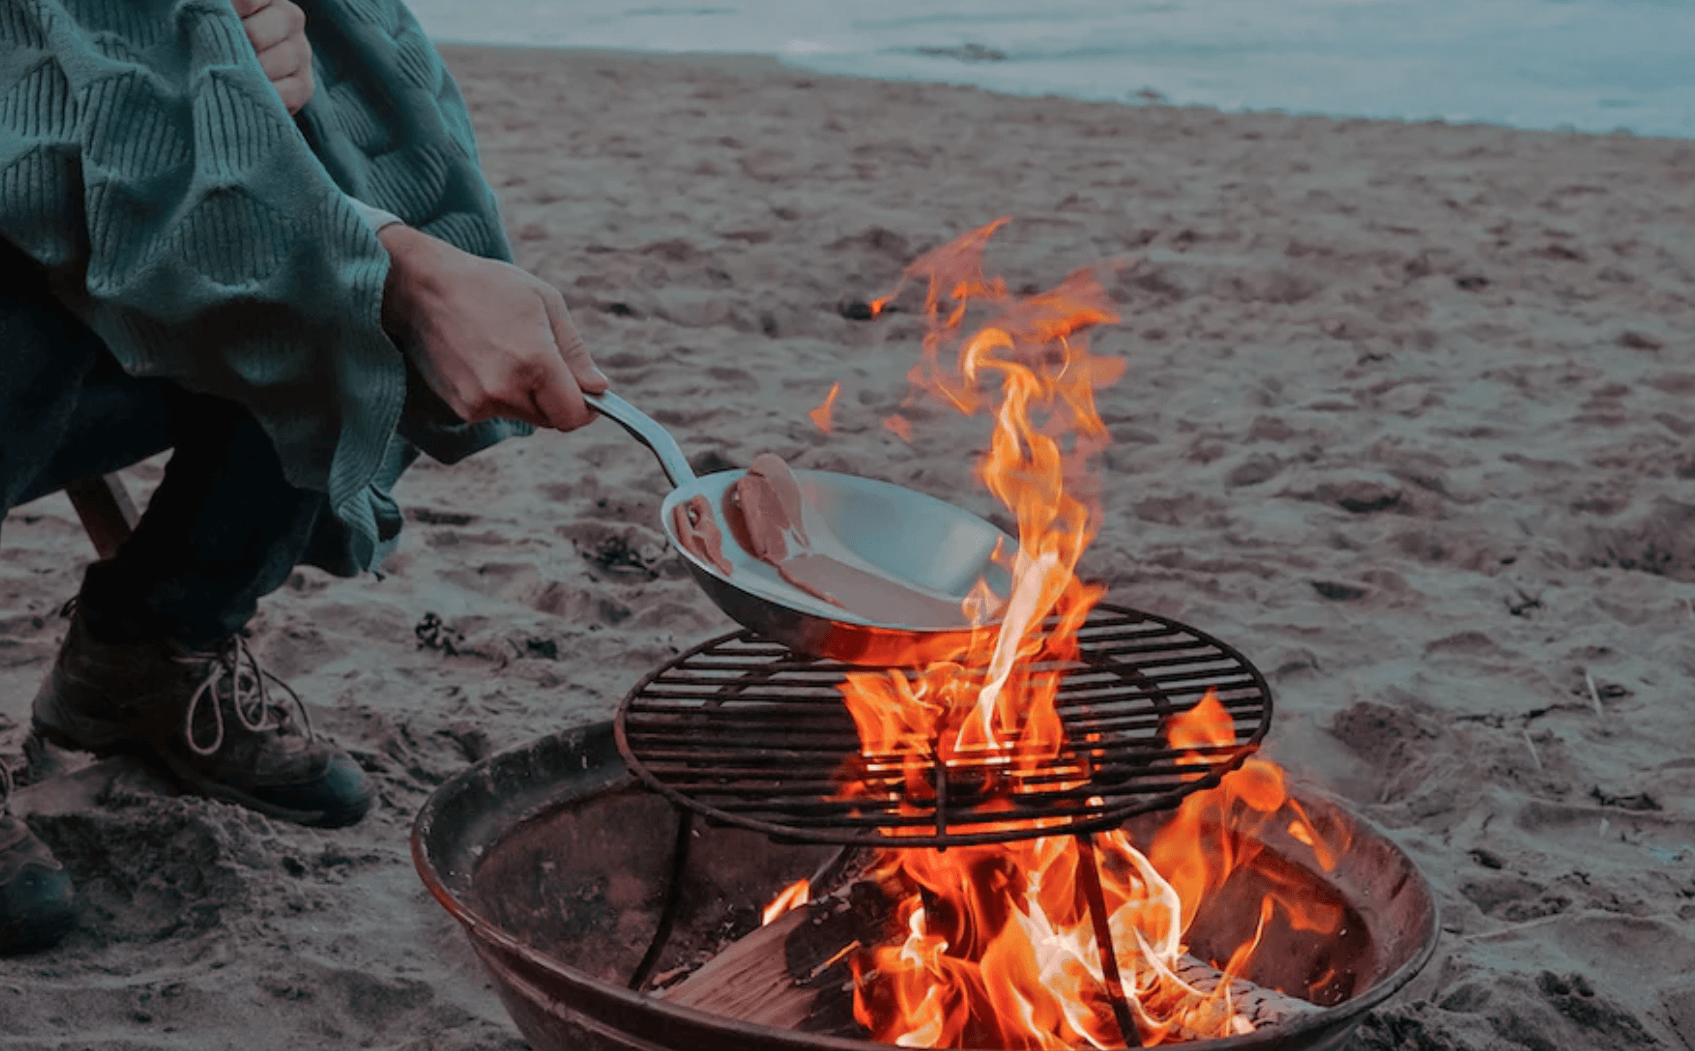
column 561, row 865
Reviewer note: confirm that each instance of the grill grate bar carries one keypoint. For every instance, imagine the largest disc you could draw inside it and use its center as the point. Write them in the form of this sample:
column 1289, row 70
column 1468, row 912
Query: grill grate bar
column 714, row 673
column 757, row 797
column 725, row 696
column 693, row 747
column 827, row 731
column 680, row 762
column 847, row 817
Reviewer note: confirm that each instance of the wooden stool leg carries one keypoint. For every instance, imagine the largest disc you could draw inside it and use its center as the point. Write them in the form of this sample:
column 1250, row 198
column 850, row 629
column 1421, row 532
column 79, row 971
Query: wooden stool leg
column 106, row 511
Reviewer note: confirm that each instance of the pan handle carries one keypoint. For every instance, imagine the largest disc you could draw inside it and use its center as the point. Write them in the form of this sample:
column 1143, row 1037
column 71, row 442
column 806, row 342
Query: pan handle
column 644, row 429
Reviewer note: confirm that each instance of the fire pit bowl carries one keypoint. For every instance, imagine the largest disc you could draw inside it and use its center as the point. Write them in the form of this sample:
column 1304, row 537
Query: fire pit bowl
column 563, row 868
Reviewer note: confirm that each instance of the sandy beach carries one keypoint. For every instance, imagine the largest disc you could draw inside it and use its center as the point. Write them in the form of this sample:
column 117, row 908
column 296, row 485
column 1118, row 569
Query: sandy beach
column 1407, row 420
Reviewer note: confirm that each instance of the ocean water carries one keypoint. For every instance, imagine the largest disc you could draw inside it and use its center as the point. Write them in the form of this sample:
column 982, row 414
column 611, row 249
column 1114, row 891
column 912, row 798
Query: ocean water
column 1589, row 65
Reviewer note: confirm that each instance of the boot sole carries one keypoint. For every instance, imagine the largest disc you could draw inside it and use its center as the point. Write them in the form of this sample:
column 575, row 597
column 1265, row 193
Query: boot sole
column 43, row 737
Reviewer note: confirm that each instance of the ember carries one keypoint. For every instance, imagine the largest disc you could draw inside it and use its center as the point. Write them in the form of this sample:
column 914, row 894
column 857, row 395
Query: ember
column 821, row 416
column 1060, row 941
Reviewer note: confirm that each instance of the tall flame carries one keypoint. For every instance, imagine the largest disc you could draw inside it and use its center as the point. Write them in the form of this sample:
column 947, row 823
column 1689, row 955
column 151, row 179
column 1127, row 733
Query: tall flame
column 1045, row 432
column 1000, row 949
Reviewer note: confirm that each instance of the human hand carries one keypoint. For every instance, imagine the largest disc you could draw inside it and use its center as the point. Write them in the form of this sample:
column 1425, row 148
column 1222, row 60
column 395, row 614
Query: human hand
column 277, row 31
column 487, row 337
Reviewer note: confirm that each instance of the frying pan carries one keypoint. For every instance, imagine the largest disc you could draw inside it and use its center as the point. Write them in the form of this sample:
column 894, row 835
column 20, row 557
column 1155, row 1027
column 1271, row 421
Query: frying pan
column 918, row 541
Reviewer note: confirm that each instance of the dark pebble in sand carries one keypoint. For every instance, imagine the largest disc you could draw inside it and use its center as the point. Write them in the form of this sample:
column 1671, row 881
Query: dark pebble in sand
column 431, row 516
column 1369, row 504
column 1252, row 472
column 1337, row 592
column 543, row 649
column 1634, row 801
column 711, row 462
column 1487, row 858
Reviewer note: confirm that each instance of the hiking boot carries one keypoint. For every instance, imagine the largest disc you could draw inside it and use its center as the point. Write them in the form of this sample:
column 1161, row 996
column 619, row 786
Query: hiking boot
column 207, row 717
column 36, row 908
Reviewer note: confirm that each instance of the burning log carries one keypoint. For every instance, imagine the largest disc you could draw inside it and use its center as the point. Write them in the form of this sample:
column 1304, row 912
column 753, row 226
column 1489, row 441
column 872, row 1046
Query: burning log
column 795, row 973
column 1255, row 1004
column 1189, row 993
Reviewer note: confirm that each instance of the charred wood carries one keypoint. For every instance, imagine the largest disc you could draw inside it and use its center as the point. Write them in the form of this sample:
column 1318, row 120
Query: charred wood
column 795, row 972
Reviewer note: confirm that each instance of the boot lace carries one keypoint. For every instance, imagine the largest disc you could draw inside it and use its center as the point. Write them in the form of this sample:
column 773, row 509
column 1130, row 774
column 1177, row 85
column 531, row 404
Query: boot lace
column 248, row 691
column 250, row 696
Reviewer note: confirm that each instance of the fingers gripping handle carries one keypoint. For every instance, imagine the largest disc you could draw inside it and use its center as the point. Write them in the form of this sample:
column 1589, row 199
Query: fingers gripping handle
column 645, row 430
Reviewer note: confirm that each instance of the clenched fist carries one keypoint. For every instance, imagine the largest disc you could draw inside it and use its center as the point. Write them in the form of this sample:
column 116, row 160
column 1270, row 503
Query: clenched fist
column 277, row 31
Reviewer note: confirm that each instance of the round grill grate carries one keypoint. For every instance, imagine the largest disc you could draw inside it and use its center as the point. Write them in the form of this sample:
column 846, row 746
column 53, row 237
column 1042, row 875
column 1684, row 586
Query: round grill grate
column 748, row 733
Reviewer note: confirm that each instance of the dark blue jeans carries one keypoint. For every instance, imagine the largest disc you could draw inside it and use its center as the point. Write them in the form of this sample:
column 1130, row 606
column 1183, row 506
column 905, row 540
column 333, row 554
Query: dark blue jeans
column 223, row 528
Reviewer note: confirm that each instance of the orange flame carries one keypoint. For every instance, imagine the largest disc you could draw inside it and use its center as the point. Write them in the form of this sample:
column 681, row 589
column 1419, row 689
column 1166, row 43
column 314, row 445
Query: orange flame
column 1228, row 820
column 788, row 899
column 1000, row 946
column 821, row 415
column 1045, row 433
column 1000, row 950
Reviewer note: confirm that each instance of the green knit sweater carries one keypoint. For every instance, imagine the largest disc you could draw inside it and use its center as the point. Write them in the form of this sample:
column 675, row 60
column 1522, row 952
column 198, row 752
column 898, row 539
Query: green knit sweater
column 149, row 166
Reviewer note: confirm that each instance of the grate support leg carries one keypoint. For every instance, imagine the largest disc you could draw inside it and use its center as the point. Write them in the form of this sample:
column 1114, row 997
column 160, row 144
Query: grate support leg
column 1089, row 873
column 941, row 777
column 673, row 896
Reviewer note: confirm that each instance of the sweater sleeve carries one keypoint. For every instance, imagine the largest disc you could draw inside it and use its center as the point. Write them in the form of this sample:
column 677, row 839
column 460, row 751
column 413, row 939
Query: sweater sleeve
column 149, row 167
column 390, row 126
